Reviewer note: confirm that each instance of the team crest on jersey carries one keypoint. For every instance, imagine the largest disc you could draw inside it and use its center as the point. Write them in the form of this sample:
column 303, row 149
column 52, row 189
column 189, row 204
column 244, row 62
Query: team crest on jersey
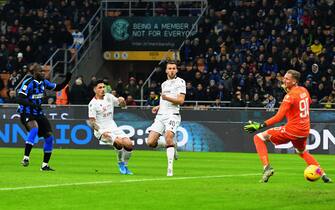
column 24, row 87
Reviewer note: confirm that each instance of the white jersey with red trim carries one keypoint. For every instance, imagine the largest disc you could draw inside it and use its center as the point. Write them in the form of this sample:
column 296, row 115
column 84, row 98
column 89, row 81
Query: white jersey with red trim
column 171, row 88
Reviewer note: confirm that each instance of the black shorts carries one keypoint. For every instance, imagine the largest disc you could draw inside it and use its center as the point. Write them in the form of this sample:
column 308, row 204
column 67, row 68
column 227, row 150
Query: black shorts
column 44, row 127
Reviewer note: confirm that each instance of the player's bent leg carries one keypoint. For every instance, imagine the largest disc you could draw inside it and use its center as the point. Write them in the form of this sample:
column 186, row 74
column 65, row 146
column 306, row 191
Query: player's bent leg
column 119, row 152
column 310, row 160
column 128, row 148
column 32, row 126
column 118, row 145
column 259, row 141
column 170, row 150
column 153, row 139
column 48, row 147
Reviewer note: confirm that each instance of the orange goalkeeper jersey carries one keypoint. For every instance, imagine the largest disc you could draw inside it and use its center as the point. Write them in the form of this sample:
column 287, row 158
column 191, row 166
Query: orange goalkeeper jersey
column 295, row 106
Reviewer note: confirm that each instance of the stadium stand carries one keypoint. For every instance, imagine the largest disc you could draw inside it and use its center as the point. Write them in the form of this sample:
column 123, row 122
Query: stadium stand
column 240, row 53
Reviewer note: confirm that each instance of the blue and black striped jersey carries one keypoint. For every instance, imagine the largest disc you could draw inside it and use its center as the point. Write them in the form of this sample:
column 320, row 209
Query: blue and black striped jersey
column 34, row 92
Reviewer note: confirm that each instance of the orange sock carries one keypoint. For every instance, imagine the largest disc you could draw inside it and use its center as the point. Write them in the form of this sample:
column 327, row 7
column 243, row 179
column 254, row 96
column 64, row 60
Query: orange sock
column 309, row 159
column 261, row 150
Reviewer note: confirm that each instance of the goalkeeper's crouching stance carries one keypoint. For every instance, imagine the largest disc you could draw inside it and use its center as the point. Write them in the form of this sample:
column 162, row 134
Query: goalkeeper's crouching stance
column 100, row 113
column 295, row 107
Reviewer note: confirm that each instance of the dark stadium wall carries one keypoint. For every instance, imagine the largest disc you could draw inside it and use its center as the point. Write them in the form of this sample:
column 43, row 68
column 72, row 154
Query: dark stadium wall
column 92, row 61
column 115, row 70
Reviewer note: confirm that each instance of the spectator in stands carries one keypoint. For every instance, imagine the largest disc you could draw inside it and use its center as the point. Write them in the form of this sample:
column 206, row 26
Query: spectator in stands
column 78, row 39
column 11, row 97
column 114, row 93
column 130, row 101
column 316, row 47
column 315, row 103
column 62, row 96
column 78, row 92
column 19, row 62
column 237, row 100
column 132, row 88
column 153, row 99
column 270, row 102
column 120, row 87
column 190, row 92
column 256, row 102
column 13, row 80
column 217, row 104
column 200, row 93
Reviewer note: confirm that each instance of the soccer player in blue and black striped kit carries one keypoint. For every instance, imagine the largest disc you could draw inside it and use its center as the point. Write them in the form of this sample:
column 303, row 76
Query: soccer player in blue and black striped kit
column 30, row 97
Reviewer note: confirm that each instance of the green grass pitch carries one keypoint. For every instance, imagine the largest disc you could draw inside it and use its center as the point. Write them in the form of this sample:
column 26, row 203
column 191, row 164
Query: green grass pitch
column 89, row 179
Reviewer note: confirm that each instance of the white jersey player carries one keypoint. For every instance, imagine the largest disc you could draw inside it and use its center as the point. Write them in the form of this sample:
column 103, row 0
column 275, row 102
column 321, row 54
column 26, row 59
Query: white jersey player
column 100, row 113
column 168, row 117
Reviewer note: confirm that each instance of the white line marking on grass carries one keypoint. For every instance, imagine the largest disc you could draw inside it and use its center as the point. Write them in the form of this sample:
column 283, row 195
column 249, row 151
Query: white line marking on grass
column 124, row 181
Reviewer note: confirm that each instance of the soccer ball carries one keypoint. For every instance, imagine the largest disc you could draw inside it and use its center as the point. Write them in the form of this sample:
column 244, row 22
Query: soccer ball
column 312, row 173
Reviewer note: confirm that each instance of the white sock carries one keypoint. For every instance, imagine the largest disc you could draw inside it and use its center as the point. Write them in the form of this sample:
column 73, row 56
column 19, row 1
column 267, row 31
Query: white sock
column 44, row 164
column 170, row 156
column 26, row 157
column 119, row 155
column 161, row 143
column 126, row 156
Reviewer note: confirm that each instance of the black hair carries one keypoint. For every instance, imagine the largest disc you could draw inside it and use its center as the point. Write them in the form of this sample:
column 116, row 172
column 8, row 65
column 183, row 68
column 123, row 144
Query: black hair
column 98, row 82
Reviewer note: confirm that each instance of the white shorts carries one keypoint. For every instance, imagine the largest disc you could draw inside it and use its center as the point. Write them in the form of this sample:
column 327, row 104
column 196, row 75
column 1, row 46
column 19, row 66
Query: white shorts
column 114, row 132
column 165, row 122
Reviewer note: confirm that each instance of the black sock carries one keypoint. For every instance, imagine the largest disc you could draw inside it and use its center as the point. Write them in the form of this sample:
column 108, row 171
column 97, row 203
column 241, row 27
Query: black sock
column 27, row 149
column 46, row 157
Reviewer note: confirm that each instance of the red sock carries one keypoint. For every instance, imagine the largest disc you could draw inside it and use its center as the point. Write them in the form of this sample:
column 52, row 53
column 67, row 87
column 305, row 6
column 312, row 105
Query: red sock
column 261, row 150
column 309, row 159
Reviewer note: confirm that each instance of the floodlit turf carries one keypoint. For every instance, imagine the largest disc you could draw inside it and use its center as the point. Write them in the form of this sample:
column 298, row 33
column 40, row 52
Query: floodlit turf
column 89, row 179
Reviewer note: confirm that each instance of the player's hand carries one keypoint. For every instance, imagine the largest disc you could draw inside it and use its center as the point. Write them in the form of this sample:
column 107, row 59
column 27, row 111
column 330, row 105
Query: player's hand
column 253, row 126
column 121, row 100
column 155, row 109
column 106, row 135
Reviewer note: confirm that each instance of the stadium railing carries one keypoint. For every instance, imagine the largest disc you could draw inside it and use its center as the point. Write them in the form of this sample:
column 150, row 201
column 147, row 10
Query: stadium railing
column 190, row 105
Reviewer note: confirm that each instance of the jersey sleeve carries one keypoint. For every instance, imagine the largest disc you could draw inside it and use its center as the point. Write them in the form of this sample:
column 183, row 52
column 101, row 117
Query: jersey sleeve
column 182, row 87
column 25, row 87
column 114, row 100
column 92, row 112
column 49, row 85
column 284, row 107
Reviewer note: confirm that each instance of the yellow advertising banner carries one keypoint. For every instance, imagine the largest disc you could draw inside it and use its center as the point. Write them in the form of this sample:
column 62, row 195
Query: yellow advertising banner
column 141, row 55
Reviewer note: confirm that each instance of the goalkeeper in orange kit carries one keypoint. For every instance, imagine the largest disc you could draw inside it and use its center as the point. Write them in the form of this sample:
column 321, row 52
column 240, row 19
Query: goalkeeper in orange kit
column 295, row 106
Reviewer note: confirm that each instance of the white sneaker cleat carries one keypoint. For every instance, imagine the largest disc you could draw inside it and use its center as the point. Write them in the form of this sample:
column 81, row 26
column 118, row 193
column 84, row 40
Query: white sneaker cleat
column 169, row 172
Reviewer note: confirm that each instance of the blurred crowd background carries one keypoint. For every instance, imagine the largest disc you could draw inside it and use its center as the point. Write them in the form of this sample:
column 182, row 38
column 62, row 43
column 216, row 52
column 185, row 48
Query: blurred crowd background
column 237, row 58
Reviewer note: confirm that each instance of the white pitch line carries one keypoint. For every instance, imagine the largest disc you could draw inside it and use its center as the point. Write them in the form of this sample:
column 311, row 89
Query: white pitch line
column 124, row 181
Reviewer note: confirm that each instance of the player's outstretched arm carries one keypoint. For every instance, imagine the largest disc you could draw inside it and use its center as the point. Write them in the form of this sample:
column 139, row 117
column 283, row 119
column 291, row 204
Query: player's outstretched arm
column 253, row 126
column 64, row 83
column 178, row 101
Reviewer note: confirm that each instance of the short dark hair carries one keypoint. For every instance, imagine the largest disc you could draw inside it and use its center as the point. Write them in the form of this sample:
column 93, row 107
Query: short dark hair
column 171, row 62
column 98, row 82
column 295, row 74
